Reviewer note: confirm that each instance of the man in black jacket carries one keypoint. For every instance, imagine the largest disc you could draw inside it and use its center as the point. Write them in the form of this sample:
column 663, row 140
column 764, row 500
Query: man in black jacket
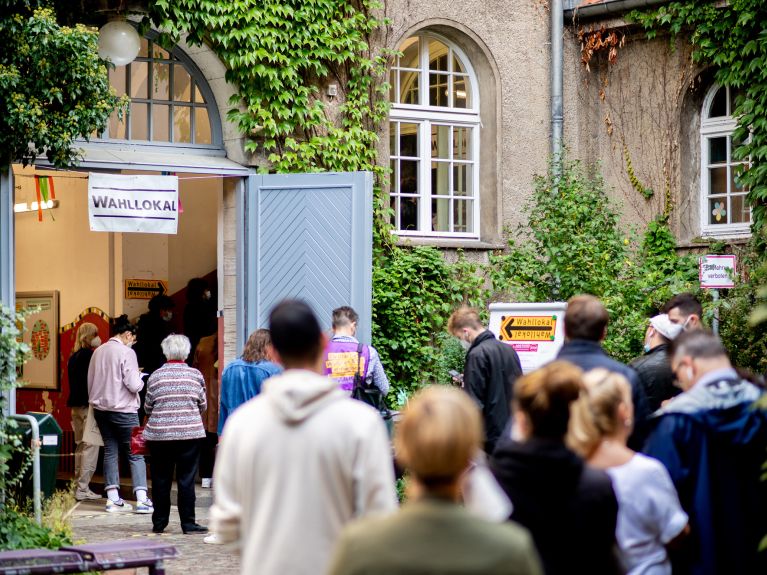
column 489, row 373
column 585, row 327
column 653, row 367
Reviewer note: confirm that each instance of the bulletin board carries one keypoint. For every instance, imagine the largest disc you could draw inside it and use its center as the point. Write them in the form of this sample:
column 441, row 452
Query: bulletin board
column 41, row 334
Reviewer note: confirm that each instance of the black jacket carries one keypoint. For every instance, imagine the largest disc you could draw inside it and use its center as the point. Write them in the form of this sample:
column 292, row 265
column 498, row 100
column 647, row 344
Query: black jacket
column 77, row 372
column 570, row 508
column 589, row 355
column 656, row 377
column 491, row 369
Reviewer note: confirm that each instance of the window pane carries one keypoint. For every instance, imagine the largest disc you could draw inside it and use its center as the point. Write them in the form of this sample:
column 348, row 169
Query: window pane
column 408, row 214
column 462, row 216
column 717, row 209
column 116, row 127
column 160, row 81
column 462, row 144
column 139, row 125
column 182, row 84
column 182, row 128
column 158, row 53
column 440, row 183
column 408, row 87
column 458, row 65
column 408, row 140
column 392, row 85
column 718, row 106
column 438, row 54
column 198, row 95
column 160, row 123
column 462, row 182
column 408, row 177
column 740, row 212
column 117, row 79
column 717, row 150
column 461, row 92
column 138, row 80
column 735, row 185
column 440, row 141
column 393, row 177
column 717, row 181
column 393, row 203
column 438, row 89
column 440, row 215
column 201, row 126
column 410, row 53
column 393, row 139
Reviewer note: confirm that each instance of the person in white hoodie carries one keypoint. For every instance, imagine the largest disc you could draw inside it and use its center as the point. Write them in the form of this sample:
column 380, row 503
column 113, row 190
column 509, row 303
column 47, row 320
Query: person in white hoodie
column 299, row 461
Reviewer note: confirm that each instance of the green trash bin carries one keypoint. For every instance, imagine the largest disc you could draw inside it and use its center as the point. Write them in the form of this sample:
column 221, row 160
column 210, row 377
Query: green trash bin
column 50, row 450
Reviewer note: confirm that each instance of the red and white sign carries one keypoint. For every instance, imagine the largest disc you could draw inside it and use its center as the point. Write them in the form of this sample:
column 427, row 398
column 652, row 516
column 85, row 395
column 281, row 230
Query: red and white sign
column 717, row 271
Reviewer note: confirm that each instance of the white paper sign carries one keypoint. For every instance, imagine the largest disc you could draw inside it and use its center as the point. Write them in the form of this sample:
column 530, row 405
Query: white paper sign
column 536, row 331
column 50, row 439
column 717, row 271
column 123, row 203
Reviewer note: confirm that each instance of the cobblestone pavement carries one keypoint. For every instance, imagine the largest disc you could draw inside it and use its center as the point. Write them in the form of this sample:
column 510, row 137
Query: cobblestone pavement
column 91, row 523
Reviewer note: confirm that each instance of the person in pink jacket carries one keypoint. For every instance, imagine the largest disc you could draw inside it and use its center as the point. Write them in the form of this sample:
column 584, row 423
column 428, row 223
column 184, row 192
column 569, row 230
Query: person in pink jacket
column 114, row 382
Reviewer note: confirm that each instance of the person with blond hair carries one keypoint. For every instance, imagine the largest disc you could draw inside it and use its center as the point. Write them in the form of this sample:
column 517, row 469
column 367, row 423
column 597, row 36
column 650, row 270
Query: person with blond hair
column 242, row 379
column 86, row 455
column 570, row 508
column 650, row 516
column 489, row 373
column 439, row 434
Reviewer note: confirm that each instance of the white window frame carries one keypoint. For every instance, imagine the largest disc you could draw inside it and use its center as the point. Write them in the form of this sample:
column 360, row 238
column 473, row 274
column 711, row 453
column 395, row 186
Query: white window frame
column 724, row 127
column 426, row 116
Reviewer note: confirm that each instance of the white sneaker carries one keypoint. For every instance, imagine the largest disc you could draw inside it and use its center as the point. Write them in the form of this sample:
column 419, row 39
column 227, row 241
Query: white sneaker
column 207, row 482
column 213, row 539
column 118, row 506
column 144, row 507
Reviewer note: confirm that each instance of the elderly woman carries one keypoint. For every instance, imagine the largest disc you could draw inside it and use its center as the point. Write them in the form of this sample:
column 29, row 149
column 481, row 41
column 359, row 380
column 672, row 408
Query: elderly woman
column 439, row 433
column 570, row 508
column 175, row 400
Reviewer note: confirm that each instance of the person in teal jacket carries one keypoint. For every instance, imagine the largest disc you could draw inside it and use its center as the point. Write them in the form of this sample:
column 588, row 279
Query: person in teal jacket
column 242, row 379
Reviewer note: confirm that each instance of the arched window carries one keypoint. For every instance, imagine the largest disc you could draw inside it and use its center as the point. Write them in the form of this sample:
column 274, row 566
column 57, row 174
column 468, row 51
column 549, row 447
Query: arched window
column 434, row 140
column 724, row 208
column 170, row 104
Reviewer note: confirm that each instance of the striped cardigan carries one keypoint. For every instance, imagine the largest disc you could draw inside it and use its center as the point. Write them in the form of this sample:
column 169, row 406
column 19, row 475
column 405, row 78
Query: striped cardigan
column 175, row 399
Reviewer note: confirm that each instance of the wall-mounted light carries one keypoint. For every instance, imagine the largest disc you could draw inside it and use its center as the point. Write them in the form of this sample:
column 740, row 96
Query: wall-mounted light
column 34, row 207
column 119, row 42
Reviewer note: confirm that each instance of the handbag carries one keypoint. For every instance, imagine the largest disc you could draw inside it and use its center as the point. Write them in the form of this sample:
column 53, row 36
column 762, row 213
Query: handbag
column 137, row 442
column 91, row 431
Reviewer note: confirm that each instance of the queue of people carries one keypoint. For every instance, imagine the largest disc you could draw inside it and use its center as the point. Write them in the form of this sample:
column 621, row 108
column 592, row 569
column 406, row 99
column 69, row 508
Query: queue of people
column 649, row 468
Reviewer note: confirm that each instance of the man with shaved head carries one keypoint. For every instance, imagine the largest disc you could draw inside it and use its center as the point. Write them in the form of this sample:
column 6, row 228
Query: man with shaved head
column 586, row 322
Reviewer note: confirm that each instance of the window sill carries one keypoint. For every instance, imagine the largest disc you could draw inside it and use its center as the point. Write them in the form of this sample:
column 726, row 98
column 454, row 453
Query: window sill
column 449, row 243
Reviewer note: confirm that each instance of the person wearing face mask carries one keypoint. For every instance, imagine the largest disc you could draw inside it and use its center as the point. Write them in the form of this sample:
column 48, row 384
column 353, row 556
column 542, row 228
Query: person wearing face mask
column 653, row 367
column 153, row 327
column 114, row 382
column 489, row 373
column 86, row 455
column 712, row 439
column 685, row 310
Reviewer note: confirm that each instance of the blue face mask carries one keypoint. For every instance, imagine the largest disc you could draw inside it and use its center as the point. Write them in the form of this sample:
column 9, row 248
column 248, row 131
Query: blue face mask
column 647, row 348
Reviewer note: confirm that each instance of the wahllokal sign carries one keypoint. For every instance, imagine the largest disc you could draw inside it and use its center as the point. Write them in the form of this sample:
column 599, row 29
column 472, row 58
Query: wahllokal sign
column 122, row 203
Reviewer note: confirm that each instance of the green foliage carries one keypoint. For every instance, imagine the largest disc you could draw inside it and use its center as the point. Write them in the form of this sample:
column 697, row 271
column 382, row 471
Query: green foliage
column 575, row 246
column 414, row 292
column 20, row 531
column 729, row 36
column 53, row 86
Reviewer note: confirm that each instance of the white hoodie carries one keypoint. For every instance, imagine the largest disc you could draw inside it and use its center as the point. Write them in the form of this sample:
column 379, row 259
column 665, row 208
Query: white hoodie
column 294, row 465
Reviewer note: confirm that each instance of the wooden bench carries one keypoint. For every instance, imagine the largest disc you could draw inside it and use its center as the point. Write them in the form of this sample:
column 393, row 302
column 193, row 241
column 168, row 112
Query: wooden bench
column 94, row 557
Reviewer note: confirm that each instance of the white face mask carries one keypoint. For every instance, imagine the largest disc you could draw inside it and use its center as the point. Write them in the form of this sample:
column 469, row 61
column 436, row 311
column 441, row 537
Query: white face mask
column 96, row 341
column 206, row 294
column 686, row 323
column 167, row 316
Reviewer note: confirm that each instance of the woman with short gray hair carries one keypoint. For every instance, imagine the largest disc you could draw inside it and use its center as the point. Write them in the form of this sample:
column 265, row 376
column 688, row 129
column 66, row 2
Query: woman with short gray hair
column 175, row 400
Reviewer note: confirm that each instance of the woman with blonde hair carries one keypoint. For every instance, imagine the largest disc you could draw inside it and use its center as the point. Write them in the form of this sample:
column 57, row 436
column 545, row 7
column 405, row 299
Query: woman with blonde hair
column 86, row 455
column 650, row 516
column 439, row 434
column 569, row 508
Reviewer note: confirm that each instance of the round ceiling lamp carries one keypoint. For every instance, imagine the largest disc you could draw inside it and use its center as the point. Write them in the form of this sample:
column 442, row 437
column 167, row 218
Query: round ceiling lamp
column 119, row 42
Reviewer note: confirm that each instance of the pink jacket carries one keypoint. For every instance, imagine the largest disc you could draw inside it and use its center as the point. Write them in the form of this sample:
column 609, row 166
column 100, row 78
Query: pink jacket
column 114, row 379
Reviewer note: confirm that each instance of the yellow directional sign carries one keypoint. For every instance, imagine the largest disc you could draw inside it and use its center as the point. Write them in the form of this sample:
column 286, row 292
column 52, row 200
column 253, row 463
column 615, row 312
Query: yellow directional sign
column 528, row 327
column 145, row 289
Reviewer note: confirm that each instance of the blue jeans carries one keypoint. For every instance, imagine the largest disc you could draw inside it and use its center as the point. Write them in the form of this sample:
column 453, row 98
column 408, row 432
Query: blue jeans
column 115, row 430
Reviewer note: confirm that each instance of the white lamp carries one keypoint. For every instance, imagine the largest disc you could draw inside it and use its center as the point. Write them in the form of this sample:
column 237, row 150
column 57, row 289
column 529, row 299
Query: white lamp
column 119, row 42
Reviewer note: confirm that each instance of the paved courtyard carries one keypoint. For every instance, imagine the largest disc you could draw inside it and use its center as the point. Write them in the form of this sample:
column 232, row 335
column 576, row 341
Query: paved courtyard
column 92, row 524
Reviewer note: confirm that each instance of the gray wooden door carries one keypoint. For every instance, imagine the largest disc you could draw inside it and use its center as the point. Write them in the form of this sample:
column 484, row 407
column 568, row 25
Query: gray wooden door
column 308, row 236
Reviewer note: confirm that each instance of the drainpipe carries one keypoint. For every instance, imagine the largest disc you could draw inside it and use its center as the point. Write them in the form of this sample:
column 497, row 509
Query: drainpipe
column 557, row 113
column 607, row 7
